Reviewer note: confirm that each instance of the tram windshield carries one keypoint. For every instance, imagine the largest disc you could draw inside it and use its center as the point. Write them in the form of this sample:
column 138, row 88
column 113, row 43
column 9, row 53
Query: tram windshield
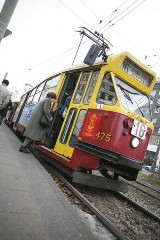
column 133, row 100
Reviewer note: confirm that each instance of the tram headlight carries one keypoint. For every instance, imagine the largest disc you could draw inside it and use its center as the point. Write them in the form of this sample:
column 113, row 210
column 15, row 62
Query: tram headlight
column 134, row 142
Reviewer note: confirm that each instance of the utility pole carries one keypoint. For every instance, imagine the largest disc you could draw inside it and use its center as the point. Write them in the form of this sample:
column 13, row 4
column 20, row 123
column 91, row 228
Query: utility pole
column 5, row 76
column 5, row 16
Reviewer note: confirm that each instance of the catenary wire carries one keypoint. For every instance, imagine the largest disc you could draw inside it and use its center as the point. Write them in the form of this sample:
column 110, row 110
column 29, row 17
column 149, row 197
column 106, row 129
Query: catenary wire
column 73, row 48
column 69, row 9
column 93, row 12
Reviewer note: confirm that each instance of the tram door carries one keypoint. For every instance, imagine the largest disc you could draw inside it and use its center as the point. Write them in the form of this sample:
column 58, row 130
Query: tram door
column 67, row 90
column 76, row 113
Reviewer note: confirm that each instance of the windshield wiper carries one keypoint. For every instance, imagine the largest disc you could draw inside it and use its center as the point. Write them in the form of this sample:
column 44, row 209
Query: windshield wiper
column 139, row 108
column 127, row 93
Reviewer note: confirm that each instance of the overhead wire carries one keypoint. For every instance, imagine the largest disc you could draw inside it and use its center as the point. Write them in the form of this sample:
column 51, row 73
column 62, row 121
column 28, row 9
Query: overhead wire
column 110, row 24
column 73, row 48
column 47, row 60
column 110, row 14
column 118, row 14
column 91, row 10
column 113, row 12
column 65, row 5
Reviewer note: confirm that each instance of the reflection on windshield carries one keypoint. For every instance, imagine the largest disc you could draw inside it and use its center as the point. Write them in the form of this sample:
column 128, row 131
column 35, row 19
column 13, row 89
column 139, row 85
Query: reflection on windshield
column 133, row 100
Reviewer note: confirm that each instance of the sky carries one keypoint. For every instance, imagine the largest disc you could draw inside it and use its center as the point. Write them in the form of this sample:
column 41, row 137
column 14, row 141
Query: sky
column 44, row 38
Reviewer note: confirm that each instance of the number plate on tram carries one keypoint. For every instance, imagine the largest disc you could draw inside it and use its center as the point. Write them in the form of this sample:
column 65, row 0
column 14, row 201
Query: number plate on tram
column 139, row 129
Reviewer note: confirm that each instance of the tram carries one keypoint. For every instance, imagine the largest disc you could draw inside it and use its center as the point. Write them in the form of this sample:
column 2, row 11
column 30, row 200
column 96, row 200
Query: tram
column 108, row 123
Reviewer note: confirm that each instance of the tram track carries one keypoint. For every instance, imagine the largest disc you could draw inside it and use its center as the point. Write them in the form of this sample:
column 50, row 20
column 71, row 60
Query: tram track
column 102, row 218
column 147, row 186
column 144, row 196
column 136, row 221
column 91, row 205
column 140, row 207
column 155, row 193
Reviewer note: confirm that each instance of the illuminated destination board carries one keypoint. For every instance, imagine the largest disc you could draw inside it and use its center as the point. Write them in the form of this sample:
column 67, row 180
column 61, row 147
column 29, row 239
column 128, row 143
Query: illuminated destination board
column 136, row 72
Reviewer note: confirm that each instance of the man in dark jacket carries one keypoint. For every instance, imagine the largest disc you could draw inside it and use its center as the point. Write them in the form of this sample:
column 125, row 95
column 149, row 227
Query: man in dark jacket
column 4, row 98
column 4, row 93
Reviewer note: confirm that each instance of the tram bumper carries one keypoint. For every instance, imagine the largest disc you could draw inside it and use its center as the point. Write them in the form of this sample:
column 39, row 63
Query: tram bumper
column 111, row 157
column 99, row 182
column 124, row 161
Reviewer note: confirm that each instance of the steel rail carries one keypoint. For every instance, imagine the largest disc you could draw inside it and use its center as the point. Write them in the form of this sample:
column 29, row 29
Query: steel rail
column 106, row 222
column 143, row 209
column 143, row 190
column 152, row 188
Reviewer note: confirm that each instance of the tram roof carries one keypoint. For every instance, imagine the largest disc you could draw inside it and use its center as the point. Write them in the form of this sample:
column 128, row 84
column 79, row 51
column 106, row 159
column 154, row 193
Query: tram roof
column 111, row 58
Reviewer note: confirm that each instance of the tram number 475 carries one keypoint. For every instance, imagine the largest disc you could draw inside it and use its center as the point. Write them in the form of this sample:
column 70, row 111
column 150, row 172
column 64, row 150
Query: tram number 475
column 139, row 129
column 103, row 136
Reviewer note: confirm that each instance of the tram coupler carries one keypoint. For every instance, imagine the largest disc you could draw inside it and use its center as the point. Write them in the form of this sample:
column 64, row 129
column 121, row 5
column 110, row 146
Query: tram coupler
column 99, row 182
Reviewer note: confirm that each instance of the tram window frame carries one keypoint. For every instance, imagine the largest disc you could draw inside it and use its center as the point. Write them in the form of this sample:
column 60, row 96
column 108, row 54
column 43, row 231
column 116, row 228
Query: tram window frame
column 81, row 87
column 55, row 79
column 68, row 125
column 106, row 90
column 38, row 92
column 91, row 86
column 68, row 87
column 31, row 95
column 23, row 99
column 77, row 127
column 128, row 97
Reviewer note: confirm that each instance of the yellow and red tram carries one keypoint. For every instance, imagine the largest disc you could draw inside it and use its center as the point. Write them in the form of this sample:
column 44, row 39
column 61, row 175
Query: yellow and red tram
column 108, row 123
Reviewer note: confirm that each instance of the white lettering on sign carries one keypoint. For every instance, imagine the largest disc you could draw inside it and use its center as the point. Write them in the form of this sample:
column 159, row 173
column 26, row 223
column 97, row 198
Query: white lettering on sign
column 136, row 72
column 139, row 129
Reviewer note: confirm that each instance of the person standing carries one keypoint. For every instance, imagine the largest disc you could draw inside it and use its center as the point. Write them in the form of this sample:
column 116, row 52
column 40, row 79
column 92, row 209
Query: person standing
column 34, row 130
column 8, row 110
column 5, row 111
column 4, row 97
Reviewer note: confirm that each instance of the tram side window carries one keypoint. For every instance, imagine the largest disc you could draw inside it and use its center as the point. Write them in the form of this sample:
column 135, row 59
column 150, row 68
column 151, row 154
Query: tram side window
column 81, row 87
column 68, row 125
column 91, row 87
column 22, row 101
column 29, row 101
column 38, row 93
column 106, row 94
column 50, row 86
column 77, row 128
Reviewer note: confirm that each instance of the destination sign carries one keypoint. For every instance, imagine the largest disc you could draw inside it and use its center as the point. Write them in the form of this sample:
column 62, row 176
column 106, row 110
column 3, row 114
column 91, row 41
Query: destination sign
column 135, row 71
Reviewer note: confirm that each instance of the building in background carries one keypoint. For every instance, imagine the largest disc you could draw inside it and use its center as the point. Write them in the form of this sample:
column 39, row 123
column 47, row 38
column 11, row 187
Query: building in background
column 153, row 149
